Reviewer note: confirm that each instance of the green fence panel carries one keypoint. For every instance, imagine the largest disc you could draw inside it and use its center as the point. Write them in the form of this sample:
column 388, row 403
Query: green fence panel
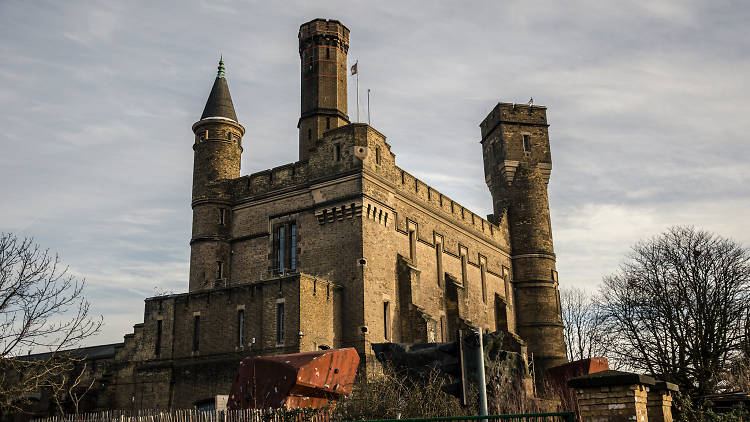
column 525, row 417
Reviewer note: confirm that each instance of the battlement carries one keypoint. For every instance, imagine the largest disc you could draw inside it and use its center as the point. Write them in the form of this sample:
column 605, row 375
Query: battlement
column 446, row 206
column 323, row 31
column 514, row 114
column 269, row 180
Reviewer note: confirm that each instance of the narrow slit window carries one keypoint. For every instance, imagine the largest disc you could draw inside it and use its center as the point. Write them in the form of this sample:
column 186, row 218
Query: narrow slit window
column 439, row 260
column 293, row 247
column 413, row 245
column 241, row 327
column 337, row 153
column 377, row 155
column 328, row 122
column 196, row 332
column 280, row 254
column 222, row 216
column 527, row 143
column 483, row 275
column 387, row 320
column 157, row 348
column 464, row 258
column 219, row 270
column 280, row 323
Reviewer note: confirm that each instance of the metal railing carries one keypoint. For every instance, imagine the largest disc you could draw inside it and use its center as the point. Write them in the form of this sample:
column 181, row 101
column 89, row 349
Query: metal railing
column 279, row 415
column 524, row 417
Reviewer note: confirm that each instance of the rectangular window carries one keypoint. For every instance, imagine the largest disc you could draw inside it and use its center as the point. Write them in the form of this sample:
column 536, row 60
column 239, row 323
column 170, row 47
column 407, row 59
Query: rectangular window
column 413, row 245
column 241, row 327
column 285, row 254
column 527, row 143
column 337, row 153
column 328, row 122
column 439, row 259
column 219, row 270
column 222, row 216
column 387, row 320
column 196, row 332
column 377, row 155
column 157, row 348
column 282, row 249
column 280, row 323
column 483, row 274
column 293, row 247
column 463, row 252
column 443, row 329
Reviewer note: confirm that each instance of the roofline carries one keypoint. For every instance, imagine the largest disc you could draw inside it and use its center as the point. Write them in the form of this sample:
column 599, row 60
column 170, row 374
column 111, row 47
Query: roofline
column 206, row 120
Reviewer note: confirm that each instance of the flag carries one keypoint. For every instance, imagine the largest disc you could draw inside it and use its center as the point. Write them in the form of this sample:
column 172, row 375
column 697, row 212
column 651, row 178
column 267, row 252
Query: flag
column 354, row 69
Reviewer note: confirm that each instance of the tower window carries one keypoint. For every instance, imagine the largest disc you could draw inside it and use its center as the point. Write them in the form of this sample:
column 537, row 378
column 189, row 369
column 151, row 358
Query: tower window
column 377, row 155
column 328, row 122
column 328, row 53
column 219, row 270
column 229, row 135
column 527, row 143
column 196, row 332
column 222, row 216
column 309, row 134
column 280, row 322
column 337, row 153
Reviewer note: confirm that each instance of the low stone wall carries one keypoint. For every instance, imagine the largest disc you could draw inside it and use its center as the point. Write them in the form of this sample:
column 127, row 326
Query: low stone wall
column 614, row 396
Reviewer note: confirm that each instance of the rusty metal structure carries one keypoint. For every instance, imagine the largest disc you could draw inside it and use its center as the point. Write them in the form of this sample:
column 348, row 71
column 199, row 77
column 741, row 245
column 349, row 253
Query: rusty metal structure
column 299, row 380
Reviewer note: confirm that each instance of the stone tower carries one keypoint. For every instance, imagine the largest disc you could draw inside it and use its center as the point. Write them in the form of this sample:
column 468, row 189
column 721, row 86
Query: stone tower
column 218, row 149
column 517, row 166
column 323, row 45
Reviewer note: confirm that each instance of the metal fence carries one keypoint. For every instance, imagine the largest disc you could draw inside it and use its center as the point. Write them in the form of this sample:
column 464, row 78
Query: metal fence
column 525, row 417
column 280, row 415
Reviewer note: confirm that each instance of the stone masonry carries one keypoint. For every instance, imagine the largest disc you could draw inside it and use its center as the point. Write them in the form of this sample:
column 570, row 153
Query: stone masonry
column 343, row 248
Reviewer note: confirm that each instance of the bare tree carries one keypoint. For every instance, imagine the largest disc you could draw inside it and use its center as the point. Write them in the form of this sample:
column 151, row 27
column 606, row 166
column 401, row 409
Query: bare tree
column 677, row 305
column 42, row 308
column 585, row 336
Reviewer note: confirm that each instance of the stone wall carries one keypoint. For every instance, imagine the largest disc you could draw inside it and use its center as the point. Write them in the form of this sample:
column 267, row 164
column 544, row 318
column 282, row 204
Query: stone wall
column 159, row 365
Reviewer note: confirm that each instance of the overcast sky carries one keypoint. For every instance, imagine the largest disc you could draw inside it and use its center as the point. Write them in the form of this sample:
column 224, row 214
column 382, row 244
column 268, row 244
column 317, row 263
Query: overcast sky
column 647, row 102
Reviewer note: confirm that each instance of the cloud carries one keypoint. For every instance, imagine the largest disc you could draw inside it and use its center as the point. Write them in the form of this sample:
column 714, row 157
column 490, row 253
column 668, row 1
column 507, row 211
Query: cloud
column 647, row 104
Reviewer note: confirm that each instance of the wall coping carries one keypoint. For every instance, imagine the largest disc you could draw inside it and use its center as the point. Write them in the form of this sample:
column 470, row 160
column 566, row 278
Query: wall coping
column 666, row 386
column 610, row 378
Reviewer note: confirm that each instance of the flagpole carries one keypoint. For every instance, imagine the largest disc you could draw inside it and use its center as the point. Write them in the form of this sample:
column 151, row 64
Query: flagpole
column 368, row 106
column 355, row 64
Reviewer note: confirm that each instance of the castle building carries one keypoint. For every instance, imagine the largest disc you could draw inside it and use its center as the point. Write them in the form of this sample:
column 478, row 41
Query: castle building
column 343, row 248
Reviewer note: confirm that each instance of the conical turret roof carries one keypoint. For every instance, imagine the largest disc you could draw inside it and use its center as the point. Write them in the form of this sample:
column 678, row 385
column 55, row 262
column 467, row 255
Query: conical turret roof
column 219, row 102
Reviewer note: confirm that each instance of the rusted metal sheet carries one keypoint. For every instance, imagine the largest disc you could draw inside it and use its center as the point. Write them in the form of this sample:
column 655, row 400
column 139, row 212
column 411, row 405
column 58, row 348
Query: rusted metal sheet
column 562, row 373
column 311, row 379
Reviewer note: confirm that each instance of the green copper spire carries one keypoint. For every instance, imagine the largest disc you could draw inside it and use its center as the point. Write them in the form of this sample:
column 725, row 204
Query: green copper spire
column 219, row 102
column 220, row 75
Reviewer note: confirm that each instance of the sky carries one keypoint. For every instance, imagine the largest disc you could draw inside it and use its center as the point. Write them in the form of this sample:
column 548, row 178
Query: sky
column 648, row 105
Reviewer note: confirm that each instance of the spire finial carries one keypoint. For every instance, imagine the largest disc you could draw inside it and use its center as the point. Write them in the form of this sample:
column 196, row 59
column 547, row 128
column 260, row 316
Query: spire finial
column 220, row 75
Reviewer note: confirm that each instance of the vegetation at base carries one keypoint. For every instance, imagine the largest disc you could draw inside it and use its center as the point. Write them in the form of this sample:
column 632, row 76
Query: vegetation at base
column 685, row 409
